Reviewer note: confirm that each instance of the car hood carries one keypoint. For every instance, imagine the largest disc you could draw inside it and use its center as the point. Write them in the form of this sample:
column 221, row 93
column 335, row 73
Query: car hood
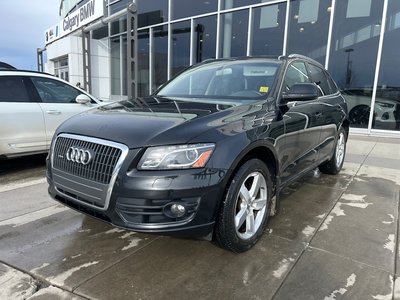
column 152, row 121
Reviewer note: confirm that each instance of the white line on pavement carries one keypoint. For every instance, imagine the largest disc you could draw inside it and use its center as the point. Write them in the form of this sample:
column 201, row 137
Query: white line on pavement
column 34, row 216
column 21, row 184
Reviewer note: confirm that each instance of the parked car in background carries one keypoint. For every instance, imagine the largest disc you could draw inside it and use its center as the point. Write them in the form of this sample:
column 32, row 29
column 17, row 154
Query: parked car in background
column 204, row 155
column 385, row 110
column 6, row 66
column 32, row 105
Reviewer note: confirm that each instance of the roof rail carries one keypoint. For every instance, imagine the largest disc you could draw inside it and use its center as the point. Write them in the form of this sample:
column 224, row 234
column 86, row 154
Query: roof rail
column 295, row 55
column 28, row 71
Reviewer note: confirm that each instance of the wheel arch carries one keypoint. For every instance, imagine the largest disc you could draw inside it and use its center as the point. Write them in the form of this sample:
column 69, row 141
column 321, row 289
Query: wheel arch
column 262, row 150
column 346, row 126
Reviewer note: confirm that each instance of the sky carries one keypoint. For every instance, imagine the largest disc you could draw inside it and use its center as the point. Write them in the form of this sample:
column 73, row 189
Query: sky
column 22, row 27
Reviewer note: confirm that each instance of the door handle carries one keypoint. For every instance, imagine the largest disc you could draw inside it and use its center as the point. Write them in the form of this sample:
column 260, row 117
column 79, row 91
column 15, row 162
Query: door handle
column 53, row 112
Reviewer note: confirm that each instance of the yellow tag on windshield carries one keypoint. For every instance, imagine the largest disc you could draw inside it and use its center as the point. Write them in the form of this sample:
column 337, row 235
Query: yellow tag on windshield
column 263, row 89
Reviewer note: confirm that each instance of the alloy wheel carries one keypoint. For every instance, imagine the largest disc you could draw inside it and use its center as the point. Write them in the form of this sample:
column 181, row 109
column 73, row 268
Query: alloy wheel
column 340, row 149
column 251, row 204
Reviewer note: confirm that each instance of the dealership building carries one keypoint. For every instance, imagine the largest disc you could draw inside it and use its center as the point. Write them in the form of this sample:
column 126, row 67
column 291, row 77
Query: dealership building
column 116, row 49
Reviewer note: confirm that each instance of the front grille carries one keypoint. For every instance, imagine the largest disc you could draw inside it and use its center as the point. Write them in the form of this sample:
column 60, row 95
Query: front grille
column 89, row 184
column 100, row 169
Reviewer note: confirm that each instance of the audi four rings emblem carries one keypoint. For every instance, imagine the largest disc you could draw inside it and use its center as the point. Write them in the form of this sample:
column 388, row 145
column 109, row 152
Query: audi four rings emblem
column 79, row 155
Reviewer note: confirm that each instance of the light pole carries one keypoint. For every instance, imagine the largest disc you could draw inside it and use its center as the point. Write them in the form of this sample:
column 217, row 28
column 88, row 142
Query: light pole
column 348, row 69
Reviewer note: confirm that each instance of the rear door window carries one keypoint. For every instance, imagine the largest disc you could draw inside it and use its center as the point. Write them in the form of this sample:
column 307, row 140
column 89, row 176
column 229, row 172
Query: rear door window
column 54, row 91
column 332, row 84
column 319, row 78
column 13, row 89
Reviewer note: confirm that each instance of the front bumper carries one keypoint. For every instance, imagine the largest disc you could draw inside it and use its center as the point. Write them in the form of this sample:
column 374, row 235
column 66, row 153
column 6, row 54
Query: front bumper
column 141, row 200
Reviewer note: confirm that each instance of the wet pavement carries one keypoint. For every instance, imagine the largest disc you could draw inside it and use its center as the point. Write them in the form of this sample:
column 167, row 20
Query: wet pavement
column 335, row 237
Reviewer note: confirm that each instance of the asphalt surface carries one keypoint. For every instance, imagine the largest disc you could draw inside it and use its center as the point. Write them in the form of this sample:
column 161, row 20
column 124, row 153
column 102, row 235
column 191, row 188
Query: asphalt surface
column 336, row 237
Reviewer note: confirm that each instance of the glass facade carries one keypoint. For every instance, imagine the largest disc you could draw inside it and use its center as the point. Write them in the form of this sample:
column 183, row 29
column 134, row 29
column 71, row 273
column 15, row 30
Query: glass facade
column 232, row 36
column 180, row 46
column 354, row 49
column 183, row 8
column 205, row 38
column 355, row 39
column 268, row 30
column 387, row 104
column 308, row 28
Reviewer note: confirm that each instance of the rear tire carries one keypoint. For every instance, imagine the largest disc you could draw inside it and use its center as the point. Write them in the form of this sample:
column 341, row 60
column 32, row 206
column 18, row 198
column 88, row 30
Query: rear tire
column 335, row 164
column 245, row 208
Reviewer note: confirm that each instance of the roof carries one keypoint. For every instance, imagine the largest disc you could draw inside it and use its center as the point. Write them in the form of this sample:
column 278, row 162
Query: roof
column 6, row 66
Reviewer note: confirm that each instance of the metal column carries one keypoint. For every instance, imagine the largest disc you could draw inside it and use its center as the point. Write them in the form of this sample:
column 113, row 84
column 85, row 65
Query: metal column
column 132, row 51
column 87, row 74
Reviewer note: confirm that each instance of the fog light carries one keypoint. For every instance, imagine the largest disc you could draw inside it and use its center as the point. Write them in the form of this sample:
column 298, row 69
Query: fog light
column 178, row 210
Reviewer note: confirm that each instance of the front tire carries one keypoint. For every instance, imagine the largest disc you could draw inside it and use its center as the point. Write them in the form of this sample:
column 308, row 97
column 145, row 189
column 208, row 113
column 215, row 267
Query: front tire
column 335, row 164
column 244, row 212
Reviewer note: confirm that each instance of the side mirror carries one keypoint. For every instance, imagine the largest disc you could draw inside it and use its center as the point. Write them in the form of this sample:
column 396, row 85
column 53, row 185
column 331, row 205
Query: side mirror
column 82, row 99
column 301, row 92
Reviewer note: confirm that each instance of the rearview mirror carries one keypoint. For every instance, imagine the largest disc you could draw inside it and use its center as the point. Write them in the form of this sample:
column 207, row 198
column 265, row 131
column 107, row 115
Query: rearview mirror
column 301, row 92
column 82, row 99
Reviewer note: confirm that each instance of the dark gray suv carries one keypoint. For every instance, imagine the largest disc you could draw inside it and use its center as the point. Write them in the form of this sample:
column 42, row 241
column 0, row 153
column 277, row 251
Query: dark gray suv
column 205, row 154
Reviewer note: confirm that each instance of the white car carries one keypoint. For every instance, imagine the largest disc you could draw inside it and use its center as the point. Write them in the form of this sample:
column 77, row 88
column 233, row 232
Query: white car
column 32, row 105
column 359, row 106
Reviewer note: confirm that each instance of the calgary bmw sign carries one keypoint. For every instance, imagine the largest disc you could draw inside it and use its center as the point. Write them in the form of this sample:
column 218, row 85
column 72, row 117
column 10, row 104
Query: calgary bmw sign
column 84, row 15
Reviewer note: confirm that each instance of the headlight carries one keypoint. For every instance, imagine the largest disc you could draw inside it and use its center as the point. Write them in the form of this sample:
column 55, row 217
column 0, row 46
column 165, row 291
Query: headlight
column 176, row 157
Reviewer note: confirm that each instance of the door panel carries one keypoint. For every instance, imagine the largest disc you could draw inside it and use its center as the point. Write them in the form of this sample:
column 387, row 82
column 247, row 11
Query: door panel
column 58, row 102
column 22, row 123
column 22, row 128
column 330, row 122
column 56, row 113
column 332, row 113
column 302, row 132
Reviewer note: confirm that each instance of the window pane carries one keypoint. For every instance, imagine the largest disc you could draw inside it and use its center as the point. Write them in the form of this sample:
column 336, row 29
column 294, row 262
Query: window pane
column 160, row 56
column 143, row 63
column 117, row 6
column 100, row 33
column 53, row 91
column 353, row 56
column 184, row 8
column 318, row 77
column 115, row 66
column 387, row 104
column 180, row 46
column 205, row 38
column 308, row 28
column 332, row 84
column 226, row 4
column 296, row 73
column 124, row 65
column 152, row 12
column 268, row 30
column 12, row 89
column 234, row 34
column 118, row 26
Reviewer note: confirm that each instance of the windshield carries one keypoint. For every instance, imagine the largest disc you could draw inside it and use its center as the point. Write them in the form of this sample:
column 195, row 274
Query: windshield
column 226, row 79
